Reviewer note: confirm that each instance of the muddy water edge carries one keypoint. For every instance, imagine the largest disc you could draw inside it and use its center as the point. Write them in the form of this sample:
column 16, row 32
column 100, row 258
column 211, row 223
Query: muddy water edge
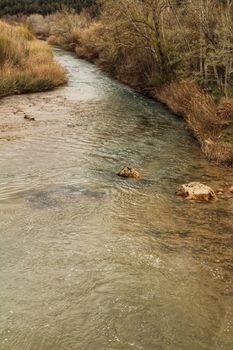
column 91, row 261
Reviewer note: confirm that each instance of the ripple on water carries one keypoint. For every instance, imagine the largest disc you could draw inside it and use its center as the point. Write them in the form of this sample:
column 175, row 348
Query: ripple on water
column 93, row 261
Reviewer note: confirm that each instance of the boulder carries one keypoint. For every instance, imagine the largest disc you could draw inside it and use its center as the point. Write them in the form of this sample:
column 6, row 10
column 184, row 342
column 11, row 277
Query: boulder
column 196, row 191
column 231, row 189
column 129, row 172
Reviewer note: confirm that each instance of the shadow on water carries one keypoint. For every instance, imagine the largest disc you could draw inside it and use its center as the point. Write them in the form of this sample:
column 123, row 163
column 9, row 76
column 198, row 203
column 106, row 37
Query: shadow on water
column 51, row 197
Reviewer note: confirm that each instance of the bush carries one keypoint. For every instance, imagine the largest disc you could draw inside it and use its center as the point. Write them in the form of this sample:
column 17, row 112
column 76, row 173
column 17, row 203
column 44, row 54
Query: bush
column 225, row 109
column 38, row 25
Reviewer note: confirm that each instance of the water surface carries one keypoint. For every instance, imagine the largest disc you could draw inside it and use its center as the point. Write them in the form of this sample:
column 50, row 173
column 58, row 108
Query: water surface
column 90, row 261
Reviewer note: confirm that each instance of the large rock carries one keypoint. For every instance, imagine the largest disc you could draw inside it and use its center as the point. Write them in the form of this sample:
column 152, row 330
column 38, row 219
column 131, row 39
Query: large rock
column 129, row 172
column 196, row 191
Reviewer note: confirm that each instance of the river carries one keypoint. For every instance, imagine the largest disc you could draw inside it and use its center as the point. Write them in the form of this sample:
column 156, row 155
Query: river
column 91, row 261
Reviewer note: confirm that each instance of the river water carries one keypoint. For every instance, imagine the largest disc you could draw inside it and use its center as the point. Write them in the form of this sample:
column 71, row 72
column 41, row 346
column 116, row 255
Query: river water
column 91, row 261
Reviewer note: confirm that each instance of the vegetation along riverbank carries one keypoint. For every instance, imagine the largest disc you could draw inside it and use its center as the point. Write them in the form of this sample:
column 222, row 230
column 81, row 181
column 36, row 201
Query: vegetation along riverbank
column 177, row 52
column 26, row 64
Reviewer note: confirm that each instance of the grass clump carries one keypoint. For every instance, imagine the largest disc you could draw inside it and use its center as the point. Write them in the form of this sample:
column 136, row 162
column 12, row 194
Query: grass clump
column 26, row 64
column 207, row 120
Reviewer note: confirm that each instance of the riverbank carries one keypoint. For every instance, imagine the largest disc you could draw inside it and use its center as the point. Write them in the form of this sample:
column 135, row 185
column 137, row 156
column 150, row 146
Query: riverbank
column 26, row 64
column 93, row 261
column 209, row 121
column 166, row 67
column 198, row 89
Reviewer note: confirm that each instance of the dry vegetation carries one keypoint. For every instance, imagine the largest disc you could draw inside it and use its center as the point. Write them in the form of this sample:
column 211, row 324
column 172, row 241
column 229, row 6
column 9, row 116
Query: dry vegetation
column 26, row 64
column 203, row 116
column 179, row 52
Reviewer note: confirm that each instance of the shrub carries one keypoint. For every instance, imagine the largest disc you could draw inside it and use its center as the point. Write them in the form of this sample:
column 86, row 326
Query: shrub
column 65, row 28
column 225, row 109
column 38, row 25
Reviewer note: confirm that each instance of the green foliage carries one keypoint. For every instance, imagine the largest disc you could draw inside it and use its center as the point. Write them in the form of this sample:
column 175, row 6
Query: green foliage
column 27, row 7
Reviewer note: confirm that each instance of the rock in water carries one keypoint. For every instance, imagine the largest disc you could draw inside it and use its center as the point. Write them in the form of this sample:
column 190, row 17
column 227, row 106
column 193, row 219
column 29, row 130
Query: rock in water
column 27, row 117
column 196, row 191
column 129, row 172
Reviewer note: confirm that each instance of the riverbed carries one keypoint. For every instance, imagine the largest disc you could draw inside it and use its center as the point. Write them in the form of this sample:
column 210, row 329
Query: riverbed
column 91, row 261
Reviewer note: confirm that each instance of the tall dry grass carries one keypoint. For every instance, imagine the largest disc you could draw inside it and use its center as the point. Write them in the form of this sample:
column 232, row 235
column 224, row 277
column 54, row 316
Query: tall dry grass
column 26, row 64
column 225, row 109
column 113, row 43
column 205, row 119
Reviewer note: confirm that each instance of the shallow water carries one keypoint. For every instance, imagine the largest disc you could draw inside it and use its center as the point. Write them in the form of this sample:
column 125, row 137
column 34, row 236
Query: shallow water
column 90, row 261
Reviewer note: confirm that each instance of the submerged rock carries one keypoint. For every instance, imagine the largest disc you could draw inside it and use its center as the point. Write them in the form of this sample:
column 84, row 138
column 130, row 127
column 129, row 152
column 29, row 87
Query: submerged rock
column 196, row 191
column 129, row 172
column 27, row 117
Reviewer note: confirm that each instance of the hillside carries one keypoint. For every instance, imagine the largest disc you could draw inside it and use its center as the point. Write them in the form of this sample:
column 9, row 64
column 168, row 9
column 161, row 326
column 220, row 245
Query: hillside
column 26, row 7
